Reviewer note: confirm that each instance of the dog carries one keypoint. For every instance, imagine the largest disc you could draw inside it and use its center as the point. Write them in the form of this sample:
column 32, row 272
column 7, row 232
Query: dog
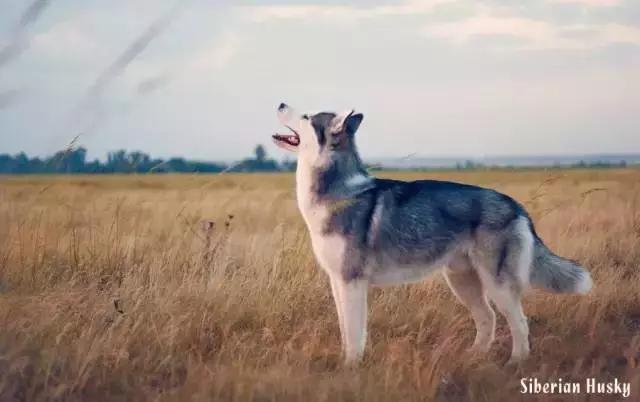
column 367, row 231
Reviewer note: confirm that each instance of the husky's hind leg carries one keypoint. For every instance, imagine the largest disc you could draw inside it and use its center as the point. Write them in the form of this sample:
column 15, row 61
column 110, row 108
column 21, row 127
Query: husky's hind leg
column 504, row 267
column 466, row 285
column 506, row 293
column 507, row 300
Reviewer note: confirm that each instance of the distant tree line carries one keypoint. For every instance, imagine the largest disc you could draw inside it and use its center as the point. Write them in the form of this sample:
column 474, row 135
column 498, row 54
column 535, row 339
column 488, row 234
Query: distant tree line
column 74, row 161
column 597, row 164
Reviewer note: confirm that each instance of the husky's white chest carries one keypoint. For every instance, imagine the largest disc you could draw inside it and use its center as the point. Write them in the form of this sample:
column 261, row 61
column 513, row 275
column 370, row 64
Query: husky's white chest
column 329, row 248
column 329, row 251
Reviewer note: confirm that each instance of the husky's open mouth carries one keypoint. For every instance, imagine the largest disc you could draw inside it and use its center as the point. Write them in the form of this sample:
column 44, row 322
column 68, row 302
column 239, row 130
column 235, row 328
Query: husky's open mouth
column 290, row 139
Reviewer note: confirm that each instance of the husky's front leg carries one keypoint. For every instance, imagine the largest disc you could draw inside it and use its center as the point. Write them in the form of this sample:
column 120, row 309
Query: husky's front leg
column 335, row 291
column 352, row 301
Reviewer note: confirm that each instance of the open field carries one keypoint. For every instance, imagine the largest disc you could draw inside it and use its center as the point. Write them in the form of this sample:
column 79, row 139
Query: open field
column 110, row 289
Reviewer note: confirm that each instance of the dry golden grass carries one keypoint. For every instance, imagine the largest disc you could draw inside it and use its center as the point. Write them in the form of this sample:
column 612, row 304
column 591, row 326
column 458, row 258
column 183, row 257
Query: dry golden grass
column 108, row 291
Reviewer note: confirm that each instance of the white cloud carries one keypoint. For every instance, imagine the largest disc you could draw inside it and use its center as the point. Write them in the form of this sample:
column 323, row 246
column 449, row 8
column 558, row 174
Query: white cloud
column 616, row 33
column 196, row 69
column 594, row 3
column 409, row 7
column 340, row 12
column 217, row 55
column 265, row 13
column 534, row 34
column 68, row 41
column 461, row 32
column 486, row 21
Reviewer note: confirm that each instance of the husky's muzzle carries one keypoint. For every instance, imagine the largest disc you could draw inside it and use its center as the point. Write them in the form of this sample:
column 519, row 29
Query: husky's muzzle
column 288, row 117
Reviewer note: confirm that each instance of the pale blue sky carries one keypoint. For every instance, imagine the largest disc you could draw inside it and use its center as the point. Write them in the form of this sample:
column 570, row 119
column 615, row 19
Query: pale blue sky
column 432, row 77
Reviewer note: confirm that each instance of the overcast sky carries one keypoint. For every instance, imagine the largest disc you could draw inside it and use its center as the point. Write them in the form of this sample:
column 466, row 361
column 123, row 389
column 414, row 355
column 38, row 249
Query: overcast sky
column 434, row 77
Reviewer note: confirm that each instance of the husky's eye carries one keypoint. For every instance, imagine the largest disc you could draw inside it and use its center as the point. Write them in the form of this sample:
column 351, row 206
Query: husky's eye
column 305, row 117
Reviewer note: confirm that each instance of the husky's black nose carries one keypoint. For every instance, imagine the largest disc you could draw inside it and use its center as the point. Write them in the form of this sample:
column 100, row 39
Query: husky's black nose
column 282, row 107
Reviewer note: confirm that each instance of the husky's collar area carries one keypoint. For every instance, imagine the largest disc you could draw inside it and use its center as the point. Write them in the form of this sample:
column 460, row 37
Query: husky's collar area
column 340, row 179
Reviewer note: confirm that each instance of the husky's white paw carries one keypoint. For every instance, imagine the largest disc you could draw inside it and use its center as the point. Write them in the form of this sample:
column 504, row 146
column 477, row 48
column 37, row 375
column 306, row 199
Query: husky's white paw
column 515, row 361
column 352, row 362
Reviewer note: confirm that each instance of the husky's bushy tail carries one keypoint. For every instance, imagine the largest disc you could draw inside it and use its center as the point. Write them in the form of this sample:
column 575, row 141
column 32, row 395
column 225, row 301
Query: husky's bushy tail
column 557, row 274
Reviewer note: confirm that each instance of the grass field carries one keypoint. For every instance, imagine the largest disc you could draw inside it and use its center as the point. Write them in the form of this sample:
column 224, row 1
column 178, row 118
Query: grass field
column 112, row 288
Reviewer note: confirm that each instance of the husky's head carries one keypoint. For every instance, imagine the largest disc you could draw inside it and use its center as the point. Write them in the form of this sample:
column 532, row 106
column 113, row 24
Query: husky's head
column 318, row 136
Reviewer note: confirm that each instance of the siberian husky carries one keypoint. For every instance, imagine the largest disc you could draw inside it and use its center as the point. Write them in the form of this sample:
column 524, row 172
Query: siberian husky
column 369, row 231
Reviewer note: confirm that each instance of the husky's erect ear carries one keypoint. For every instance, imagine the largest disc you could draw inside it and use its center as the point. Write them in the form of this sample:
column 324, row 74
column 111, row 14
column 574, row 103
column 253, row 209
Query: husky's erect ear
column 350, row 122
column 345, row 126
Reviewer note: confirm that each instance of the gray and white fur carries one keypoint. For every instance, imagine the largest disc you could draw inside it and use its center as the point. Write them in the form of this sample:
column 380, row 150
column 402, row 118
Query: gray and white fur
column 370, row 231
